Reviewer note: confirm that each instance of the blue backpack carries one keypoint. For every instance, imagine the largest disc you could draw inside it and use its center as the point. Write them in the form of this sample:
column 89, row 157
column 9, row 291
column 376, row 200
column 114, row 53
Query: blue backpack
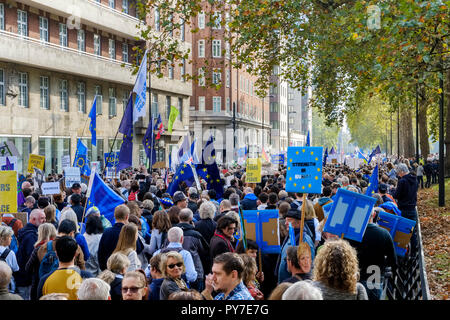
column 50, row 262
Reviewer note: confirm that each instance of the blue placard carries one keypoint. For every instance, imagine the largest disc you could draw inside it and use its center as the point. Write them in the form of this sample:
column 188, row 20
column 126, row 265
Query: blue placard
column 113, row 160
column 304, row 169
column 349, row 214
column 277, row 158
column 399, row 228
column 262, row 227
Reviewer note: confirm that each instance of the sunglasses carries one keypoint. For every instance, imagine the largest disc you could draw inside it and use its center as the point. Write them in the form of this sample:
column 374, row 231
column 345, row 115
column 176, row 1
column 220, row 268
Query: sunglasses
column 179, row 265
column 132, row 289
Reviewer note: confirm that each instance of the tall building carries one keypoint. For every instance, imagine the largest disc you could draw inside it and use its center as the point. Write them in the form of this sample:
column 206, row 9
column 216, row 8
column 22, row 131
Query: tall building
column 278, row 113
column 55, row 57
column 300, row 117
column 232, row 113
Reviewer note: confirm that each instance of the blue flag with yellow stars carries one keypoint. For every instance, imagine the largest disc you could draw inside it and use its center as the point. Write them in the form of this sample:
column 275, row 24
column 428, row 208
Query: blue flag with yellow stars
column 183, row 174
column 149, row 143
column 373, row 183
column 126, row 128
column 211, row 174
column 93, row 124
column 81, row 159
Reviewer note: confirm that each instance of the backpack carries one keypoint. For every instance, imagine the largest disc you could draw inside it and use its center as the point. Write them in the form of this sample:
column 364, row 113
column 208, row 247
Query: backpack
column 5, row 254
column 50, row 261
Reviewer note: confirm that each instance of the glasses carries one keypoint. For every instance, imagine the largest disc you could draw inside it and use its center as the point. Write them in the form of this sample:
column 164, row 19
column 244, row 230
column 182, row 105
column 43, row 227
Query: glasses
column 132, row 289
column 179, row 265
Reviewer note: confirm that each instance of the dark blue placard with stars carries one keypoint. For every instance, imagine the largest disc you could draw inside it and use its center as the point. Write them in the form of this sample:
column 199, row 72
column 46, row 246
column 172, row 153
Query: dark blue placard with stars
column 304, row 169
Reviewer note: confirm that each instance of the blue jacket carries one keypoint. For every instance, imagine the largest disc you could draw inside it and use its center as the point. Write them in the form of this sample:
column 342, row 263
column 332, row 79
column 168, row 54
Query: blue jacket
column 81, row 241
column 108, row 243
column 249, row 202
column 27, row 237
column 155, row 286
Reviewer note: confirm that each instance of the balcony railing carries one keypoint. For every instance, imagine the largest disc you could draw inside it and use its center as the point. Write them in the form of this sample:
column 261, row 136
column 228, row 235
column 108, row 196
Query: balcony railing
column 114, row 11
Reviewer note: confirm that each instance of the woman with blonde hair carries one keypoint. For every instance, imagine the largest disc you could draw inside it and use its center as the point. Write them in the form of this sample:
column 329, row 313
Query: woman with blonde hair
column 172, row 267
column 46, row 233
column 336, row 272
column 50, row 215
column 127, row 245
column 134, row 286
column 312, row 222
column 249, row 276
column 117, row 266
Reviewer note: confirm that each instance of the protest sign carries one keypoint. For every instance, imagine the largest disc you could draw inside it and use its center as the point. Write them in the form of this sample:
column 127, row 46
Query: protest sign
column 72, row 175
column 262, row 227
column 111, row 173
column 65, row 161
column 112, row 160
column 399, row 228
column 50, row 188
column 253, row 170
column 35, row 161
column 304, row 169
column 349, row 215
column 9, row 163
column 8, row 191
column 277, row 158
column 8, row 148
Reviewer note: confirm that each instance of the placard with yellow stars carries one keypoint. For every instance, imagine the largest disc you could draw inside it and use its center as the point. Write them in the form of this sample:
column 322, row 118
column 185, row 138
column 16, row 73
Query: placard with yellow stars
column 304, row 169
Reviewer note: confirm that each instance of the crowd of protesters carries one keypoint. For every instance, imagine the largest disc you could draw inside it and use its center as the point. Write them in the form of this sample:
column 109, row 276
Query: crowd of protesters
column 184, row 246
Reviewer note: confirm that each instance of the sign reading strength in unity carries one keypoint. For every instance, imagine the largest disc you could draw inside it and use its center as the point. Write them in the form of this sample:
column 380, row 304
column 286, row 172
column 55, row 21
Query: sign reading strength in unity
column 253, row 171
column 8, row 191
column 304, row 169
column 262, row 227
column 349, row 214
column 35, row 161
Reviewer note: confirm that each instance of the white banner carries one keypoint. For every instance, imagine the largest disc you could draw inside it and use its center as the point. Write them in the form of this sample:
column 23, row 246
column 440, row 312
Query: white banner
column 50, row 188
column 72, row 175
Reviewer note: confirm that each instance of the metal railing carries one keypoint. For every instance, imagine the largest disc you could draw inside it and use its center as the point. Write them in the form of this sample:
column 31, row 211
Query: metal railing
column 409, row 280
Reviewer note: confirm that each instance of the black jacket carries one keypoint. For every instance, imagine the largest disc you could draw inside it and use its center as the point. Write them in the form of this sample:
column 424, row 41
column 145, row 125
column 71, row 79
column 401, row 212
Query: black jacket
column 197, row 246
column 79, row 211
column 376, row 248
column 406, row 192
column 219, row 244
column 206, row 227
column 27, row 237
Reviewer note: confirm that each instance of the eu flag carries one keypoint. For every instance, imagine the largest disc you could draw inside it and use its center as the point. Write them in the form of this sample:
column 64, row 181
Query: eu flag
column 104, row 198
column 325, row 156
column 211, row 174
column 291, row 235
column 149, row 143
column 183, row 174
column 93, row 124
column 373, row 182
column 209, row 152
column 126, row 128
column 81, row 159
column 375, row 151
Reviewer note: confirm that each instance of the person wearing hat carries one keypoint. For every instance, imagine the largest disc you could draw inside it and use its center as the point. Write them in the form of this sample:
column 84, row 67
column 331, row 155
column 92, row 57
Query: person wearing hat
column 193, row 198
column 166, row 203
column 382, row 190
column 78, row 189
column 180, row 200
column 293, row 217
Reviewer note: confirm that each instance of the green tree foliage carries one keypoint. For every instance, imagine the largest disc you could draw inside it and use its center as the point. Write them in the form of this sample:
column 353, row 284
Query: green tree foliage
column 322, row 134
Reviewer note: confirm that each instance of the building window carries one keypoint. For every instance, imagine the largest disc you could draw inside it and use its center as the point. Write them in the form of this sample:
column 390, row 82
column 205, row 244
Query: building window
column 112, row 4
column 112, row 49
column 216, row 48
column 201, row 104
column 201, row 20
column 183, row 69
column 170, row 24
column 157, row 24
column 227, row 50
column 274, row 107
column 125, row 52
column 23, row 89
column 217, row 20
column 112, row 102
column 63, row 34
column 63, row 96
column 44, row 93
column 2, row 87
column 275, row 124
column 22, row 23
column 227, row 21
column 124, row 101
column 170, row 69
column 182, row 30
column 216, row 76
column 43, row 29
column 97, row 45
column 125, row 6
column 227, row 104
column 217, row 104
column 228, row 78
column 201, row 48
column 180, row 109
column 154, row 105
column 168, row 103
column 81, row 93
column 99, row 96
column 201, row 77
column 81, row 40
column 2, row 16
